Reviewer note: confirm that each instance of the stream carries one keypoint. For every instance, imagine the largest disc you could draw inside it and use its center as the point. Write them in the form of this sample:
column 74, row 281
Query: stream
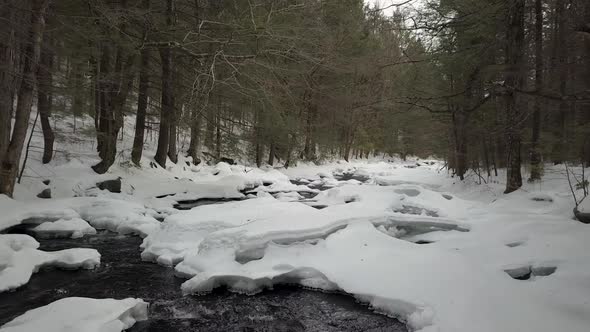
column 122, row 274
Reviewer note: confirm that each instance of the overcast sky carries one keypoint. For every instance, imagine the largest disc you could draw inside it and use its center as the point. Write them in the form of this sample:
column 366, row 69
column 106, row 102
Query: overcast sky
column 386, row 3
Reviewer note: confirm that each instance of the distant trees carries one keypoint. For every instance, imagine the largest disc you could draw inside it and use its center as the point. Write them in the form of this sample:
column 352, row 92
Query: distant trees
column 501, row 85
column 478, row 83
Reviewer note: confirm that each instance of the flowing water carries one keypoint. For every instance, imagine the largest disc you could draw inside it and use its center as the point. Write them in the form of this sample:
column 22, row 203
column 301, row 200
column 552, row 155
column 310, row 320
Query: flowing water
column 122, row 274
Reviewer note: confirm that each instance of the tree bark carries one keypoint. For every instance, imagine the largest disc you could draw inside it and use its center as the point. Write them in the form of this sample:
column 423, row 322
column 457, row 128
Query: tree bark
column 142, row 103
column 271, row 154
column 11, row 157
column 460, row 138
column 45, row 101
column 166, row 107
column 172, row 154
column 7, row 79
column 513, row 81
column 193, row 150
column 142, row 98
column 535, row 154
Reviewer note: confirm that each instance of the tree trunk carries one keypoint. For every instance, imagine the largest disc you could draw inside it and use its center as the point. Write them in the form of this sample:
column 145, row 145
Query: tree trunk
column 271, row 154
column 107, row 141
column 45, row 100
column 486, row 156
column 513, row 81
column 535, row 154
column 142, row 99
column 193, row 150
column 167, row 106
column 7, row 78
column 172, row 154
column 30, row 57
column 218, row 130
column 142, row 102
column 460, row 138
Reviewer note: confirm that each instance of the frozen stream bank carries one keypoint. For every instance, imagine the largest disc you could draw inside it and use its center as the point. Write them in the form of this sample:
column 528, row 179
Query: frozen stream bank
column 123, row 274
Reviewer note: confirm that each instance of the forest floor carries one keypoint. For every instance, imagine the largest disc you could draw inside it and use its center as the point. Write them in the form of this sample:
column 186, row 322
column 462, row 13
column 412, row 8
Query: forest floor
column 401, row 236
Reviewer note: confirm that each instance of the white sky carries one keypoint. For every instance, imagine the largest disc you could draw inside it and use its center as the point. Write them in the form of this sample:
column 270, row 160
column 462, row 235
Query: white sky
column 386, row 3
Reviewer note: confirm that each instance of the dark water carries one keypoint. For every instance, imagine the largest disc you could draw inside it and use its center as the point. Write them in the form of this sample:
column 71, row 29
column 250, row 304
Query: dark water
column 122, row 274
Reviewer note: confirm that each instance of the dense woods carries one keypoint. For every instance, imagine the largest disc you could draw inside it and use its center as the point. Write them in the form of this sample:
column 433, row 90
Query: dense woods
column 483, row 84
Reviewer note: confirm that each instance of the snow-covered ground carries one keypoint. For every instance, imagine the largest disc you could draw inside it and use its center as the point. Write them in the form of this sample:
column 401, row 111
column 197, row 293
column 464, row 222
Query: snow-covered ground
column 412, row 242
column 403, row 236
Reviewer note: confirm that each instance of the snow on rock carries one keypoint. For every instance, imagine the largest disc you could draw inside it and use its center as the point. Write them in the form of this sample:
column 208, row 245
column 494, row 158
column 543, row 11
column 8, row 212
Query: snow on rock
column 14, row 211
column 74, row 314
column 74, row 228
column 120, row 216
column 20, row 258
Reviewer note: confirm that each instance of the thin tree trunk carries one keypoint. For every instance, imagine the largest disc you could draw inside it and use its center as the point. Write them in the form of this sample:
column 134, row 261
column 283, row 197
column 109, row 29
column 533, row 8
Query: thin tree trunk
column 193, row 150
column 166, row 108
column 271, row 154
column 142, row 102
column 45, row 100
column 460, row 138
column 218, row 130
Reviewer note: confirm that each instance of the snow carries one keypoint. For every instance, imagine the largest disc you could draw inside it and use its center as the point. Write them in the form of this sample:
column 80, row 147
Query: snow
column 360, row 244
column 74, row 228
column 363, row 242
column 584, row 206
column 81, row 314
column 20, row 258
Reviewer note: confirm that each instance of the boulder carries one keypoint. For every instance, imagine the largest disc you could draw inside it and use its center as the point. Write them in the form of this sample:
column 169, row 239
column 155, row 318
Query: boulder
column 113, row 185
column 227, row 160
column 582, row 216
column 46, row 193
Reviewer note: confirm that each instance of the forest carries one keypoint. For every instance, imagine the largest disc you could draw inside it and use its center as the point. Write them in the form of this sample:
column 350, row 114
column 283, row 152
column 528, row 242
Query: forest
column 294, row 165
column 483, row 85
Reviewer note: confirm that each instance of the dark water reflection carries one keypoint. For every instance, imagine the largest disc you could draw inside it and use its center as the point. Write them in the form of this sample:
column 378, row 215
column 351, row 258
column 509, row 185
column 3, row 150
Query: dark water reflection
column 122, row 274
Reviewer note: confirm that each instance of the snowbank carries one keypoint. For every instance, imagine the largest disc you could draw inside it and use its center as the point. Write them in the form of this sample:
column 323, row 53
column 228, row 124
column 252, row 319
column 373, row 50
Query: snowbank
column 74, row 228
column 78, row 314
column 19, row 259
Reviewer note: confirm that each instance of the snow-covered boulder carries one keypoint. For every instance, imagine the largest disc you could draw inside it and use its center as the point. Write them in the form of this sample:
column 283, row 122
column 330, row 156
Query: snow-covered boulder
column 74, row 228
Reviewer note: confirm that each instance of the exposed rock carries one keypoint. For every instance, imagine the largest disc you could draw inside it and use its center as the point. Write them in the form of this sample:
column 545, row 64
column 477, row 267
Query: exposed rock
column 527, row 272
column 113, row 185
column 227, row 160
column 46, row 193
column 582, row 216
column 46, row 182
